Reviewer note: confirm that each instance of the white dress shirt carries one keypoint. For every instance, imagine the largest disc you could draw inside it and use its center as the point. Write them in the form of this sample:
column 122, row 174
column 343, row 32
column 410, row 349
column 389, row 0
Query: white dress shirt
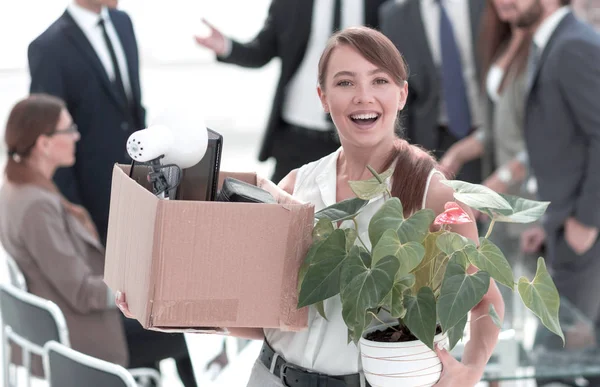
column 458, row 12
column 88, row 22
column 302, row 106
column 546, row 29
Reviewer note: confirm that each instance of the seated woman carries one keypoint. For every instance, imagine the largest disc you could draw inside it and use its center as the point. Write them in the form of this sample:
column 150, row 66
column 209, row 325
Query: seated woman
column 362, row 84
column 55, row 244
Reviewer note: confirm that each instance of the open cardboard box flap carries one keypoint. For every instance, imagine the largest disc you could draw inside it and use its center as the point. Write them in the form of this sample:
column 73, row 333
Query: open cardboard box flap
column 192, row 265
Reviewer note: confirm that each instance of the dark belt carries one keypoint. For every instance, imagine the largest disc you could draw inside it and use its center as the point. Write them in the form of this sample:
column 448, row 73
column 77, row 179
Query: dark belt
column 293, row 376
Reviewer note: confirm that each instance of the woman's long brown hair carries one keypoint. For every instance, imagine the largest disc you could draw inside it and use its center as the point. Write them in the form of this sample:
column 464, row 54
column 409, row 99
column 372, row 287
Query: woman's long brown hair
column 494, row 37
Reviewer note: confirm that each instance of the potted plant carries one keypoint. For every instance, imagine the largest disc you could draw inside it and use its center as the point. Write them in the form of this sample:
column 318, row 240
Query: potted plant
column 415, row 276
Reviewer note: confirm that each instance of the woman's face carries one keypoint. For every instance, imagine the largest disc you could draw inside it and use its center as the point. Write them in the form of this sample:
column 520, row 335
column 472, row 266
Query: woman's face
column 506, row 10
column 60, row 147
column 362, row 99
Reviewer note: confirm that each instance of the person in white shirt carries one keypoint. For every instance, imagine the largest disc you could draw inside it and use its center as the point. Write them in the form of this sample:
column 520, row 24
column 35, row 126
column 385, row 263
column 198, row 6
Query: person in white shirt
column 295, row 31
column 438, row 39
column 503, row 48
column 562, row 135
column 89, row 58
column 362, row 84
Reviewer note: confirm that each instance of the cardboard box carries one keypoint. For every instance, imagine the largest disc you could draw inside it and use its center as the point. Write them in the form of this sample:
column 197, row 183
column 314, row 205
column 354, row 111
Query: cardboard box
column 193, row 264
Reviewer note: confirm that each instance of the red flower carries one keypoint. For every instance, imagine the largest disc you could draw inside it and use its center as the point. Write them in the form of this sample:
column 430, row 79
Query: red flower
column 453, row 214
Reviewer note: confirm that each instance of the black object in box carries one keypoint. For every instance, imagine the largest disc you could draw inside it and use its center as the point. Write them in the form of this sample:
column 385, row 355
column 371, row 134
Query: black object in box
column 234, row 190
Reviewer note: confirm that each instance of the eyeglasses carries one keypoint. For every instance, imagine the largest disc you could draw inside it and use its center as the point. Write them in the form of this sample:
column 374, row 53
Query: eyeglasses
column 70, row 130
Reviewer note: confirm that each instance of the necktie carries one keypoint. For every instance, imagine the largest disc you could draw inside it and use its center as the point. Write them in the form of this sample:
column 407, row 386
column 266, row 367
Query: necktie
column 532, row 64
column 337, row 15
column 453, row 83
column 118, row 82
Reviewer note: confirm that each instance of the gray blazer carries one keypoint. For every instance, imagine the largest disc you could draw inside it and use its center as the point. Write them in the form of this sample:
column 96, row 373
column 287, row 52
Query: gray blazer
column 63, row 263
column 403, row 24
column 562, row 124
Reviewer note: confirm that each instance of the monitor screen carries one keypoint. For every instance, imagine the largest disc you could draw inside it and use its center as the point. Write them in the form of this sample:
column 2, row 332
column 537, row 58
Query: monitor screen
column 198, row 182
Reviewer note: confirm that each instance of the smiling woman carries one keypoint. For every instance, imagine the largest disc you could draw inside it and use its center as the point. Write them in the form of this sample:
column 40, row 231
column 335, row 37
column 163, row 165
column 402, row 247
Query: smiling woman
column 362, row 84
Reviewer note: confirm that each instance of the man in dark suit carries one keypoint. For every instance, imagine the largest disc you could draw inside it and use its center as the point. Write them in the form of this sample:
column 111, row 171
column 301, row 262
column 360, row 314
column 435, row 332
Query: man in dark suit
column 89, row 58
column 296, row 31
column 438, row 39
column 562, row 133
column 73, row 61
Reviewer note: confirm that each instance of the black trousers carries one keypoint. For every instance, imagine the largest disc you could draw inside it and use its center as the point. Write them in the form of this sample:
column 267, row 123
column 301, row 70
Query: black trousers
column 576, row 279
column 147, row 348
column 294, row 146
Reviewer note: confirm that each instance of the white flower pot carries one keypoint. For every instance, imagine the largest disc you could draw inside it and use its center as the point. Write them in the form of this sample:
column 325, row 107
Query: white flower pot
column 406, row 364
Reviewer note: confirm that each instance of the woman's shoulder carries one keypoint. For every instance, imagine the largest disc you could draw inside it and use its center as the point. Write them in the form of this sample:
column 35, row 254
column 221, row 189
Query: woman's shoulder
column 28, row 198
column 308, row 172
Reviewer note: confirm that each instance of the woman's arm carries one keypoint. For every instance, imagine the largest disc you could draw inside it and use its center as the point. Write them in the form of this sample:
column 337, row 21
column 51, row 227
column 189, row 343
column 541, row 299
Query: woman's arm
column 465, row 150
column 483, row 331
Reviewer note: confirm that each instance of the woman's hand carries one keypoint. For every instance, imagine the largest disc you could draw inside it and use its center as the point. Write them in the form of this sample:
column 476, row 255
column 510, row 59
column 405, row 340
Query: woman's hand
column 121, row 302
column 532, row 240
column 455, row 373
column 281, row 192
column 465, row 150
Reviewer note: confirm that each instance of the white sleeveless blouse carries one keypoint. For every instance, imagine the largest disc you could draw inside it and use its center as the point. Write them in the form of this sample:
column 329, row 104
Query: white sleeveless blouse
column 324, row 347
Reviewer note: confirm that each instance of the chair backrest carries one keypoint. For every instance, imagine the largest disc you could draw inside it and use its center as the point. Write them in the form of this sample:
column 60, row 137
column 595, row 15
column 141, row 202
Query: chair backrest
column 66, row 367
column 31, row 321
column 17, row 279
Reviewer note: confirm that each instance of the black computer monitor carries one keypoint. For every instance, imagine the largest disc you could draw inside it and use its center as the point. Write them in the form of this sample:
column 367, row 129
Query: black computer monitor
column 199, row 182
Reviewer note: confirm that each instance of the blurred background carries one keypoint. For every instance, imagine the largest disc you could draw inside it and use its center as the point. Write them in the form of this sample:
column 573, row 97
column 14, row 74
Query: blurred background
column 232, row 100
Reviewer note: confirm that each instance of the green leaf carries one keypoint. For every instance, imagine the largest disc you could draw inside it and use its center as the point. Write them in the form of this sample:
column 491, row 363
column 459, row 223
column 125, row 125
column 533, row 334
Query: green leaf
column 416, row 228
column 450, row 242
column 364, row 289
column 371, row 188
column 433, row 256
column 454, row 246
column 314, row 248
column 322, row 279
column 365, row 256
column 346, row 209
column 420, row 315
column 490, row 258
column 460, row 293
column 322, row 230
column 409, row 255
column 351, row 236
column 494, row 316
column 541, row 297
column 390, row 216
column 477, row 196
column 456, row 333
column 394, row 300
column 321, row 309
column 523, row 210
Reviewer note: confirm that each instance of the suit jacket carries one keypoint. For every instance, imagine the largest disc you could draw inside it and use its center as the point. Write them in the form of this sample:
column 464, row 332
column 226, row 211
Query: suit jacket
column 285, row 35
column 63, row 63
column 562, row 124
column 62, row 262
column 403, row 24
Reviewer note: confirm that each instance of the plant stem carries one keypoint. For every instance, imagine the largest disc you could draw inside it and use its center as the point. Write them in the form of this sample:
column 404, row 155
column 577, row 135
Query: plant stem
column 489, row 231
column 374, row 172
column 357, row 235
column 384, row 323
